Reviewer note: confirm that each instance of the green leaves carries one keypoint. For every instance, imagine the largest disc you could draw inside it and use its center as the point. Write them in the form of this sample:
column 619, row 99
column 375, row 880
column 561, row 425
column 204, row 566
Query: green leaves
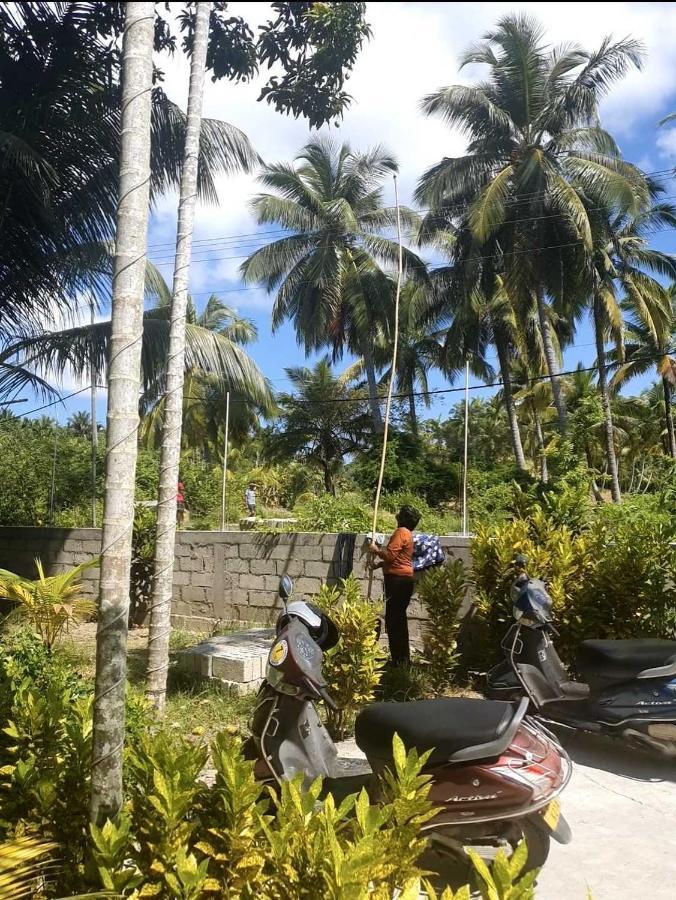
column 442, row 591
column 501, row 881
column 353, row 667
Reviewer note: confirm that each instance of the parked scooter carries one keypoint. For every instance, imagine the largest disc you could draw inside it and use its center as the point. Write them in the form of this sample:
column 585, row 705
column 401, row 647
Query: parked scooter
column 629, row 688
column 496, row 775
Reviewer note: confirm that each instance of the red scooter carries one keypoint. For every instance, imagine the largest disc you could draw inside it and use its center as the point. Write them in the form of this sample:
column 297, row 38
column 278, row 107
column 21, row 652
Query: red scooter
column 496, row 774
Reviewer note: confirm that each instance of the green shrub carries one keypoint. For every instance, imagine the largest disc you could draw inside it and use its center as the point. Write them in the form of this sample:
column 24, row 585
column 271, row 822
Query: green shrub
column 616, row 578
column 442, row 591
column 327, row 513
column 404, row 683
column 50, row 604
column 353, row 667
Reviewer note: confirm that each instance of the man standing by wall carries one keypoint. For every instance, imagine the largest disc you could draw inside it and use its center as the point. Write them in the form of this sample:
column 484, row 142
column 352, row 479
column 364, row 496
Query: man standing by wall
column 250, row 500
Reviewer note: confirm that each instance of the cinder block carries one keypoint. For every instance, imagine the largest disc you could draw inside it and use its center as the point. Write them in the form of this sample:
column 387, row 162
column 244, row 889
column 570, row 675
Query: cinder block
column 251, row 582
column 236, row 566
column 291, row 567
column 308, row 586
column 262, row 566
column 193, row 594
column 317, row 570
column 181, row 578
column 202, row 579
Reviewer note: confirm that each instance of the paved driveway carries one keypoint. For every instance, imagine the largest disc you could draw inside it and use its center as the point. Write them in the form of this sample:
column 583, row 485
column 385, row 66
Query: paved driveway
column 621, row 806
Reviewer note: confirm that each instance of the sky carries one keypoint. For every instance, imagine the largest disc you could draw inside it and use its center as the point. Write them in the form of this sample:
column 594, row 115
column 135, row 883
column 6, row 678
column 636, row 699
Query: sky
column 414, row 50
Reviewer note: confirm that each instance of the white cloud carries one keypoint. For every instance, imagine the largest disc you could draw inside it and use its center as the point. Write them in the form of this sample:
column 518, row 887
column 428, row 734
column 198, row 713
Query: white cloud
column 666, row 144
column 414, row 50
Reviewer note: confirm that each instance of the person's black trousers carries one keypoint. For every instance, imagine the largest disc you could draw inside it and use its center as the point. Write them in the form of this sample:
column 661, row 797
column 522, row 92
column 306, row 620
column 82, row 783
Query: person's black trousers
column 398, row 593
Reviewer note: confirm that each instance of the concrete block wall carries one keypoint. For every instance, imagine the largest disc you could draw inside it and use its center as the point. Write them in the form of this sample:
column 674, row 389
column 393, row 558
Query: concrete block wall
column 218, row 576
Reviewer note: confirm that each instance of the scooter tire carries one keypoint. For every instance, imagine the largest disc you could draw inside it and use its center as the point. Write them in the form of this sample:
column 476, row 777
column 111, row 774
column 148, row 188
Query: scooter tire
column 538, row 840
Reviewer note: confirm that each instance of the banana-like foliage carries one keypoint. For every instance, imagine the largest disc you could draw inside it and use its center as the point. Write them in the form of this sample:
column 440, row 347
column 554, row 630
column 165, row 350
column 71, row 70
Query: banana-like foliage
column 26, row 865
column 49, row 603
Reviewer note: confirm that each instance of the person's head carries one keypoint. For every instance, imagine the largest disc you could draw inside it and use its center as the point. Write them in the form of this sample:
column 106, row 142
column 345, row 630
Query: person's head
column 252, row 486
column 408, row 517
column 180, row 485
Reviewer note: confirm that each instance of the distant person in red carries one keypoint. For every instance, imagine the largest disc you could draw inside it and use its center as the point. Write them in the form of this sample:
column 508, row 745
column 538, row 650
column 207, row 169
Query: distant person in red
column 180, row 503
column 396, row 561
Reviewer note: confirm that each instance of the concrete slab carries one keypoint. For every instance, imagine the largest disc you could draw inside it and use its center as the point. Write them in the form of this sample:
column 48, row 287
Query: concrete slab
column 621, row 807
column 237, row 660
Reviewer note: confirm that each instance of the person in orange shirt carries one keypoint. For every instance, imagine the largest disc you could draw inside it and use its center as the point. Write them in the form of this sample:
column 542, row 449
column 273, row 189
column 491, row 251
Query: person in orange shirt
column 396, row 561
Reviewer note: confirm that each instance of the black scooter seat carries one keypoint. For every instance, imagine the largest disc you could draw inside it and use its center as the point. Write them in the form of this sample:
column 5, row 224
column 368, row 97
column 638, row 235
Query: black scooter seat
column 623, row 660
column 444, row 725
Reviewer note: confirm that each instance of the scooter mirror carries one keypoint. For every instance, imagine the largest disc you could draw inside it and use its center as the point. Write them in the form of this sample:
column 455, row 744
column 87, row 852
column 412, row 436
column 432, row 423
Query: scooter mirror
column 285, row 587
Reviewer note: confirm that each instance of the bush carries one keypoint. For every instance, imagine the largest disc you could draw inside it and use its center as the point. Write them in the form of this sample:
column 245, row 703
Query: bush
column 442, row 591
column 616, row 578
column 353, row 667
column 327, row 513
column 50, row 604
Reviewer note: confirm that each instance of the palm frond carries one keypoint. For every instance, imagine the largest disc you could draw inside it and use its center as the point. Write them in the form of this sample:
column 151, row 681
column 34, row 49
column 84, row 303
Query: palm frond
column 488, row 211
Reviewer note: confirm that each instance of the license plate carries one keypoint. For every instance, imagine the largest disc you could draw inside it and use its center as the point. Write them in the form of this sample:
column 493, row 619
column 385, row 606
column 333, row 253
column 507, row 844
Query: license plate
column 552, row 814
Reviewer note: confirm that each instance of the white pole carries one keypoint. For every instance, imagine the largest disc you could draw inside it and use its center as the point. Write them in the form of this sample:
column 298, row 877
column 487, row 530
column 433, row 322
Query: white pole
column 95, row 435
column 225, row 460
column 464, row 465
column 52, row 495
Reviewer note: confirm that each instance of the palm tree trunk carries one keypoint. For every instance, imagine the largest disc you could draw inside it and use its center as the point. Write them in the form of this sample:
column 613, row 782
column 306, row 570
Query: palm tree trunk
column 540, row 440
column 668, row 415
column 510, row 406
column 124, row 383
column 170, row 454
column 329, row 487
column 552, row 363
column 596, row 490
column 605, row 403
column 412, row 414
column 370, row 370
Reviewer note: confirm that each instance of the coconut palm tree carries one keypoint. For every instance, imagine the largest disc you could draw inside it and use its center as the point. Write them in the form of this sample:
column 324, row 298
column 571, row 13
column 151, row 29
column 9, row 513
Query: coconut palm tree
column 123, row 417
column 204, row 391
column 321, row 422
column 80, row 424
column 646, row 348
column 326, row 270
column 622, row 260
column 535, row 151
column 172, row 408
column 420, row 346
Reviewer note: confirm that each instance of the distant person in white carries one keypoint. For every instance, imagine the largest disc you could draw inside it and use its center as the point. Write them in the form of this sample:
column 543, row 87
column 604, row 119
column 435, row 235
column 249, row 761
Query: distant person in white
column 250, row 500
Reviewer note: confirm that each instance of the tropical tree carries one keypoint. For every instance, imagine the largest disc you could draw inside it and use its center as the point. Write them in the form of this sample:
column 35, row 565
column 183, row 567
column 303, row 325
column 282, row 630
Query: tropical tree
column 536, row 151
column 621, row 261
column 172, row 409
column 204, row 392
column 327, row 271
column 482, row 312
column 647, row 347
column 123, row 417
column 60, row 108
column 321, row 422
column 420, row 347
column 80, row 424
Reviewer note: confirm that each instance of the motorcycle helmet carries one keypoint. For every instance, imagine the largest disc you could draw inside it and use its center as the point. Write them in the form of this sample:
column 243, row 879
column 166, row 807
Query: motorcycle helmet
column 322, row 629
column 530, row 600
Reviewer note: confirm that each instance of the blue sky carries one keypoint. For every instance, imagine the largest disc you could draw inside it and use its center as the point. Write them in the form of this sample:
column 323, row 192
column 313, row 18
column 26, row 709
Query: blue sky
column 414, row 50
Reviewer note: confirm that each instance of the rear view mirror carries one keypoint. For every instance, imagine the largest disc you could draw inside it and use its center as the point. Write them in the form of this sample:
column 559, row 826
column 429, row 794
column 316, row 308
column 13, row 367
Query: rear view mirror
column 285, row 587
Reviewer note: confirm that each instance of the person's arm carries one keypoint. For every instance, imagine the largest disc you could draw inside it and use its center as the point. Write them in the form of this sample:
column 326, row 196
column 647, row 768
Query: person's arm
column 387, row 554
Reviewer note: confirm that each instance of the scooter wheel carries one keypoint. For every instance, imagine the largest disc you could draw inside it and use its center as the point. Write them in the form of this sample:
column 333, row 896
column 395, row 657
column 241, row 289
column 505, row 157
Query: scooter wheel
column 537, row 840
